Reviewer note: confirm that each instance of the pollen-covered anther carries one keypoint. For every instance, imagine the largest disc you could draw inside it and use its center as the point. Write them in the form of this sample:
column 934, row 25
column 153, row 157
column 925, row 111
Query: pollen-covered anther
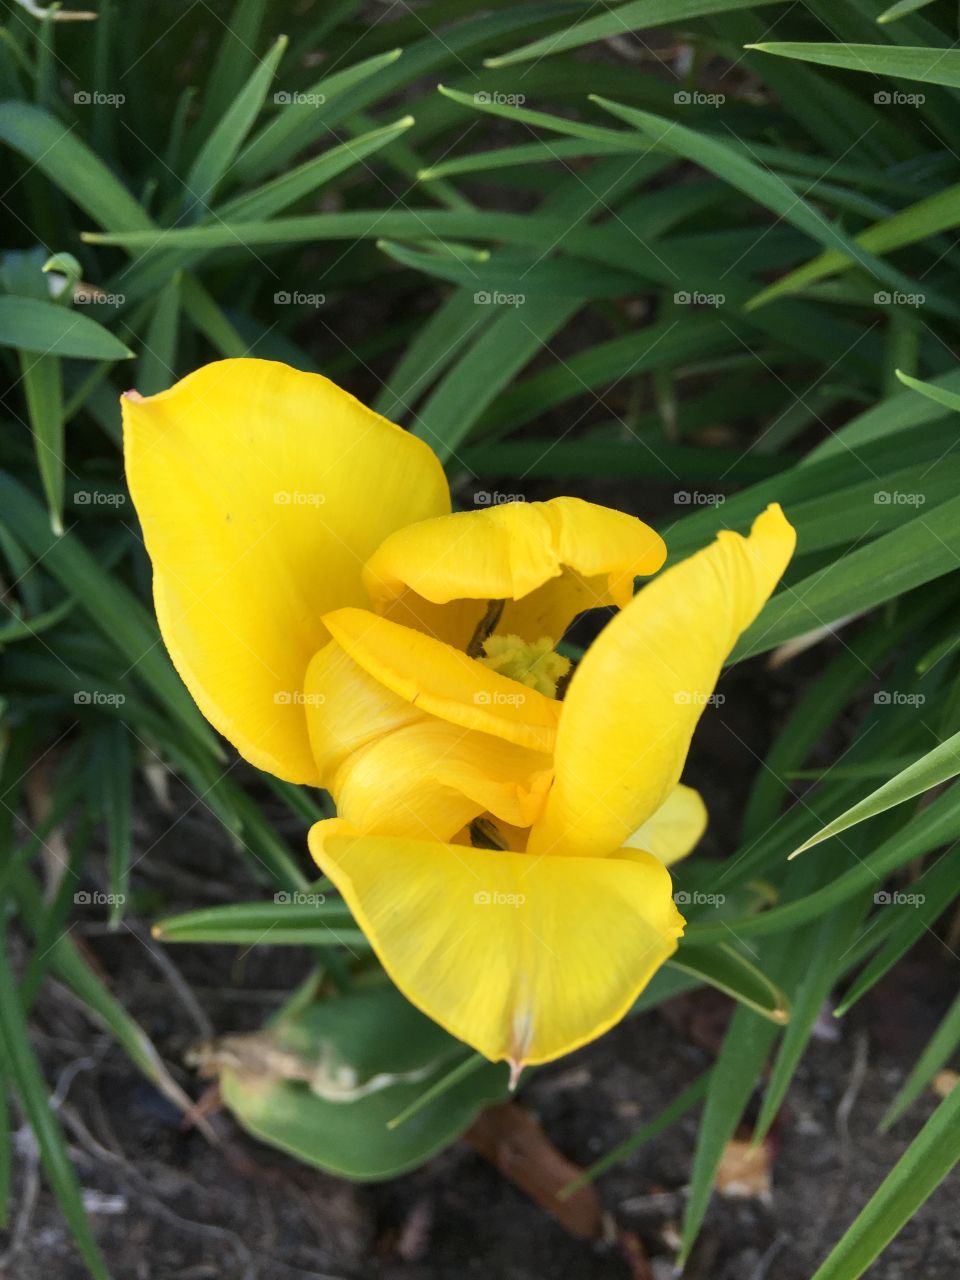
column 536, row 665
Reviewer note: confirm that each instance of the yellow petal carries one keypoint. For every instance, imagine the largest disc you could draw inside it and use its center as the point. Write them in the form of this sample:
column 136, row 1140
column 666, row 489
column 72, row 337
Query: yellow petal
column 564, row 556
column 347, row 709
column 523, row 958
column 261, row 491
column 445, row 682
column 676, row 827
column 430, row 779
column 634, row 701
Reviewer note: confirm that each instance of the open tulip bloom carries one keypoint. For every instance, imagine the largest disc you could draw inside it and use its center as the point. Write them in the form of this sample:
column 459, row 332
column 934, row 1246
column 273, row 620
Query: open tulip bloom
column 505, row 822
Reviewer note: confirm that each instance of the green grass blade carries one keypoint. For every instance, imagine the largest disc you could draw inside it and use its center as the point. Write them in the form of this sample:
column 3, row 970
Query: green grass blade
column 27, row 1077
column 932, row 827
column 113, row 773
column 71, row 166
column 936, row 1054
column 926, row 1162
column 156, row 368
column 734, row 1076
column 294, row 185
column 636, row 16
column 929, row 66
column 936, row 889
column 901, row 9
column 825, row 949
column 926, row 218
column 939, row 395
column 292, row 919
column 27, row 324
column 673, row 1112
column 936, row 766
column 755, row 182
column 925, row 548
column 43, row 389
column 729, row 970
column 221, row 147
column 113, row 609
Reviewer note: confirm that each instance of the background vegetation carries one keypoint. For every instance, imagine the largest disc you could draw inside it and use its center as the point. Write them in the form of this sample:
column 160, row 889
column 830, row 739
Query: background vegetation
column 700, row 251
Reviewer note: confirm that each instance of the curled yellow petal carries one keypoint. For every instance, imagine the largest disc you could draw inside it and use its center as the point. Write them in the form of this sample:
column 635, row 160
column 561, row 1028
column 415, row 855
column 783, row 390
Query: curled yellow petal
column 261, row 491
column 523, row 958
column 634, row 701
column 548, row 560
column 429, row 779
column 444, row 681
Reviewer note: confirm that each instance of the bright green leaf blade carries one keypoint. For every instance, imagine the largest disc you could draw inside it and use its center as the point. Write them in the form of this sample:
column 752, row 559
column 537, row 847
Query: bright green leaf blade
column 303, row 112
column 221, row 147
column 936, row 1054
column 939, row 395
column 71, row 166
column 43, row 388
column 292, row 919
column 936, row 766
column 901, row 9
column 926, row 218
column 924, row 1165
column 732, row 1081
column 911, row 912
column 727, row 969
column 636, row 16
column 925, row 548
column 756, row 182
column 930, row 66
column 294, row 185
column 931, row 827
column 27, row 324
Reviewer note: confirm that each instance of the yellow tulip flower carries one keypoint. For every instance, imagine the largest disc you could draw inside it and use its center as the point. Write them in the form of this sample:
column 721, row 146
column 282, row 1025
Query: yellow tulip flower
column 504, row 823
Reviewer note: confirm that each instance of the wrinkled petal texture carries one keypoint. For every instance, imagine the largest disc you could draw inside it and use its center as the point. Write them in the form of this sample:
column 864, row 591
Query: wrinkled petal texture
column 675, row 829
column 261, row 491
column 548, row 560
column 525, row 959
column 635, row 699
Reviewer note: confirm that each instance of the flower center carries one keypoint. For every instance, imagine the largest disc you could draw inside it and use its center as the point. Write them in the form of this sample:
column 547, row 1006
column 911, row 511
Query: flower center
column 536, row 665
